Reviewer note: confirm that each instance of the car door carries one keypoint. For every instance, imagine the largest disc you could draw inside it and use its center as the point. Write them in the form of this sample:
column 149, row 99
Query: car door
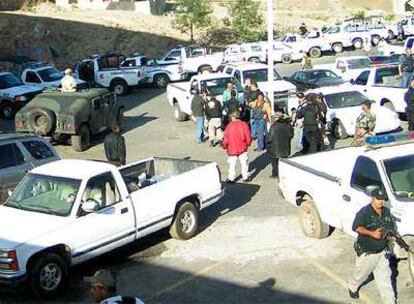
column 111, row 225
column 97, row 119
column 361, row 82
column 13, row 166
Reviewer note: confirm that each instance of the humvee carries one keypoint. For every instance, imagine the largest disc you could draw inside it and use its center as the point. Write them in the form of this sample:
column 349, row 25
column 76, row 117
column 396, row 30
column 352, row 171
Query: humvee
column 73, row 117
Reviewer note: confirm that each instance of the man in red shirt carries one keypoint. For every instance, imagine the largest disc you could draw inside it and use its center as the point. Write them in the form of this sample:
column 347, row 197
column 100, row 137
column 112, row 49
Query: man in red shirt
column 237, row 139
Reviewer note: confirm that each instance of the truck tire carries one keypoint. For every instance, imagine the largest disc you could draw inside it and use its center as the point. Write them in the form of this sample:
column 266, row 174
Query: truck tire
column 254, row 60
column 337, row 47
column 205, row 68
column 375, row 39
column 339, row 131
column 7, row 109
column 185, row 223
column 161, row 81
column 47, row 275
column 179, row 116
column 310, row 221
column 357, row 43
column 120, row 87
column 41, row 120
column 315, row 52
column 81, row 141
column 287, row 59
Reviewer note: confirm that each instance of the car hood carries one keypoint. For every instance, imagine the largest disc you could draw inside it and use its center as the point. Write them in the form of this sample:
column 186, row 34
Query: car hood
column 15, row 233
column 20, row 90
column 277, row 85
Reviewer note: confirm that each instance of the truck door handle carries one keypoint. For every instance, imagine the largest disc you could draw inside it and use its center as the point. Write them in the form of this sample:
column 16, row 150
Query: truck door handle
column 124, row 210
column 346, row 198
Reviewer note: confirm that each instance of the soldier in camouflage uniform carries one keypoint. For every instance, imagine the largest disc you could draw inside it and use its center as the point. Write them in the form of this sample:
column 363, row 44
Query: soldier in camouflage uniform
column 365, row 124
column 306, row 63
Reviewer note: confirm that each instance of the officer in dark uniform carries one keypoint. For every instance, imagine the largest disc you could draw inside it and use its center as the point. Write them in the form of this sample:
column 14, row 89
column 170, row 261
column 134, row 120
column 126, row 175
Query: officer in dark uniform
column 409, row 110
column 406, row 68
column 311, row 114
column 114, row 146
column 371, row 248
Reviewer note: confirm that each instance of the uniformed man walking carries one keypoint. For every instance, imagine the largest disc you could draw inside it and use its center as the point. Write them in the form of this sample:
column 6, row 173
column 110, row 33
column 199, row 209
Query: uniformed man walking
column 68, row 82
column 406, row 68
column 311, row 114
column 114, row 146
column 409, row 110
column 371, row 249
column 365, row 124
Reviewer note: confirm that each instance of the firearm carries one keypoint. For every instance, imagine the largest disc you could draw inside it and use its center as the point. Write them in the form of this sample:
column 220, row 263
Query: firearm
column 390, row 232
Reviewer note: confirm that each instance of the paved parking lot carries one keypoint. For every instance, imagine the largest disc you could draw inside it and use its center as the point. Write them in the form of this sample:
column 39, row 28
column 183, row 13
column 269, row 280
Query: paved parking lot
column 250, row 248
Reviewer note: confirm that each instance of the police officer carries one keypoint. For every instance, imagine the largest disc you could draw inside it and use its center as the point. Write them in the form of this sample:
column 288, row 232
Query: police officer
column 68, row 82
column 371, row 248
column 306, row 63
column 365, row 124
column 409, row 110
column 114, row 146
column 406, row 68
column 311, row 114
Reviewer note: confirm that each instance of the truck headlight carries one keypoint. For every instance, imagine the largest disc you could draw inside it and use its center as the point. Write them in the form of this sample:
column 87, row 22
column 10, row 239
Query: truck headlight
column 8, row 260
column 20, row 98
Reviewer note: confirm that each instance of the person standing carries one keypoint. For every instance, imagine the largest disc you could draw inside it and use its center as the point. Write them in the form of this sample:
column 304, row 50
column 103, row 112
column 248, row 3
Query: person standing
column 409, row 110
column 303, row 29
column 261, row 113
column 400, row 30
column 306, row 63
column 279, row 140
column 298, row 123
column 406, row 68
column 214, row 115
column 371, row 249
column 227, row 92
column 237, row 140
column 365, row 124
column 254, row 92
column 198, row 108
column 103, row 289
column 367, row 46
column 310, row 112
column 68, row 82
column 114, row 145
column 231, row 106
column 382, row 46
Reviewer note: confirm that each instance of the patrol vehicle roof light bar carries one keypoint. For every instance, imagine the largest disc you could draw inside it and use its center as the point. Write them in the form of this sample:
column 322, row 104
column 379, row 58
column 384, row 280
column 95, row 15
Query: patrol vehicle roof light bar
column 388, row 139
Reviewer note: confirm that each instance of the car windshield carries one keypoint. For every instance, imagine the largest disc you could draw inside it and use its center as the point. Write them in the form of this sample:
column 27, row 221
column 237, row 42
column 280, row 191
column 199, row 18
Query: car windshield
column 344, row 100
column 45, row 194
column 9, row 81
column 50, row 74
column 260, row 75
column 400, row 172
column 218, row 86
column 358, row 63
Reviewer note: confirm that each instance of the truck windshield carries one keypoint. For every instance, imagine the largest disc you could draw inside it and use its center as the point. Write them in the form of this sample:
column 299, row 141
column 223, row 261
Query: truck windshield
column 260, row 75
column 45, row 194
column 344, row 99
column 9, row 81
column 218, row 86
column 400, row 172
column 358, row 63
column 50, row 74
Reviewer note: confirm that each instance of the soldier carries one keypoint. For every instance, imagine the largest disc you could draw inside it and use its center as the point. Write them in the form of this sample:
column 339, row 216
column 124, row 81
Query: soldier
column 406, row 68
column 409, row 110
column 68, row 82
column 371, row 248
column 365, row 124
column 306, row 63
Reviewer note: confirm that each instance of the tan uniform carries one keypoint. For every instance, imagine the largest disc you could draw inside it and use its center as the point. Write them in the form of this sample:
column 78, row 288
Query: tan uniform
column 68, row 84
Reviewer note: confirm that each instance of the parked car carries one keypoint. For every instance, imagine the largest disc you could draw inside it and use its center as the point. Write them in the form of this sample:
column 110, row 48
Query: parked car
column 311, row 79
column 76, row 210
column 73, row 116
column 347, row 67
column 19, row 154
column 253, row 52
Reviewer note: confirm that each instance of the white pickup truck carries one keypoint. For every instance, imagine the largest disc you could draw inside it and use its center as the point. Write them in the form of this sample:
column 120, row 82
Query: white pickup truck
column 329, row 188
column 382, row 84
column 75, row 210
column 347, row 67
column 312, row 43
column 180, row 95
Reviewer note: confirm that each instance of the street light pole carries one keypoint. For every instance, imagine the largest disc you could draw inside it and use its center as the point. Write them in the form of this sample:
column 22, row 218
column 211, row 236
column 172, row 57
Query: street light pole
column 270, row 51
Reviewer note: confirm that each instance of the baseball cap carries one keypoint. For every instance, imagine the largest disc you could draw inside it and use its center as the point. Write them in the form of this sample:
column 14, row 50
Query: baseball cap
column 104, row 277
column 378, row 194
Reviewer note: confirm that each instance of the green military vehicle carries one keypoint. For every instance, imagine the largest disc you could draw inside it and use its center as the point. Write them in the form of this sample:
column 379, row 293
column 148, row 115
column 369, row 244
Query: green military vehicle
column 70, row 117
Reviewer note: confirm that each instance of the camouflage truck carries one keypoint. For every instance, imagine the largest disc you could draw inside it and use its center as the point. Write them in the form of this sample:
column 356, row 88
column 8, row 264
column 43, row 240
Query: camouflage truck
column 70, row 117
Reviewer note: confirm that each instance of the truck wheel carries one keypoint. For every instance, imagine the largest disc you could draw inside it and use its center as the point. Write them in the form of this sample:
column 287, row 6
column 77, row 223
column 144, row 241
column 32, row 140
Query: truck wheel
column 41, row 120
column 358, row 43
column 179, row 116
column 48, row 275
column 287, row 59
column 254, row 60
column 315, row 52
column 375, row 40
column 205, row 69
column 337, row 47
column 7, row 110
column 185, row 224
column 120, row 87
column 161, row 81
column 81, row 141
column 310, row 221
column 339, row 131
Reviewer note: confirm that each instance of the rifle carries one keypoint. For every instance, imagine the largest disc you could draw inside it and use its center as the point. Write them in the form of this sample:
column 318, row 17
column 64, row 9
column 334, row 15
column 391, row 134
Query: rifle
column 390, row 232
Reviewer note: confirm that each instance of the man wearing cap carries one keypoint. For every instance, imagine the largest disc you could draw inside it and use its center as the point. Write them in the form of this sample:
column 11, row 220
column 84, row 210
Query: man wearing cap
column 103, row 289
column 68, row 82
column 365, row 124
column 371, row 248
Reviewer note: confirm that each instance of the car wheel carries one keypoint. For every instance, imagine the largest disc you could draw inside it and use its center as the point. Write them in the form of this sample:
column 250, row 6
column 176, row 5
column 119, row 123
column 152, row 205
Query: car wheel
column 287, row 59
column 179, row 116
column 310, row 221
column 254, row 60
column 339, row 131
column 337, row 47
column 315, row 52
column 358, row 44
column 388, row 105
column 161, row 81
column 7, row 110
column 41, row 121
column 47, row 275
column 185, row 223
column 81, row 141
column 120, row 87
column 375, row 40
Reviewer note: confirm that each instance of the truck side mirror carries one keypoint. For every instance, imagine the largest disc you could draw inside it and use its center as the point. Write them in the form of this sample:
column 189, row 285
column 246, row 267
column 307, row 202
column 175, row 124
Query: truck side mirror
column 90, row 206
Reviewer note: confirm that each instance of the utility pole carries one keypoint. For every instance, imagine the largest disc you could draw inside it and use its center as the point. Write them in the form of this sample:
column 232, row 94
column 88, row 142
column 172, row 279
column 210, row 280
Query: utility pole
column 270, row 51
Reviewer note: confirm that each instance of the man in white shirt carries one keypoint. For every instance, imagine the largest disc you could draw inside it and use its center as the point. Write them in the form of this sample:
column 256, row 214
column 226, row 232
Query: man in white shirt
column 68, row 82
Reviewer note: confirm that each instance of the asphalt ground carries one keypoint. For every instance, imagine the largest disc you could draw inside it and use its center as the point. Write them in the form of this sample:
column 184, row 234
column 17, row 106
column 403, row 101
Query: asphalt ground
column 250, row 248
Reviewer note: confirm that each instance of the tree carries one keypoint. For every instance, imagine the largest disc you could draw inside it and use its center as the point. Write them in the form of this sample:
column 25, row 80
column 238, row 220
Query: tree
column 359, row 14
column 245, row 19
column 191, row 15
